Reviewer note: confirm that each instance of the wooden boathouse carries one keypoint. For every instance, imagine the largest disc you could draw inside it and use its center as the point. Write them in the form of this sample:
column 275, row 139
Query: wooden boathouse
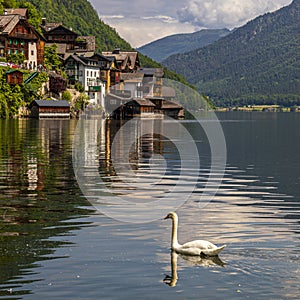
column 50, row 109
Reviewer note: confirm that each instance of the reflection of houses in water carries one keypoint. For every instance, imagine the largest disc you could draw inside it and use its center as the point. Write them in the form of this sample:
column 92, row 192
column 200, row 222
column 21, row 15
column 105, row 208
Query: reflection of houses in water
column 134, row 145
column 142, row 94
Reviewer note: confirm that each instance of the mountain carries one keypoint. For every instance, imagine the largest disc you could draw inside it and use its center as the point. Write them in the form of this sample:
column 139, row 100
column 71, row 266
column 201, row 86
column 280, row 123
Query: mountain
column 258, row 63
column 180, row 43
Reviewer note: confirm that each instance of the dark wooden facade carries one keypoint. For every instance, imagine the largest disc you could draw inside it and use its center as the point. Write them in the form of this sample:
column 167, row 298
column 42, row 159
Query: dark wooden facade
column 59, row 34
column 14, row 77
column 17, row 37
column 50, row 109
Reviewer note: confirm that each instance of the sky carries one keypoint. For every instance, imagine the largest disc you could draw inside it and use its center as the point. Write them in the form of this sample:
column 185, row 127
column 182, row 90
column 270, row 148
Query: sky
column 141, row 21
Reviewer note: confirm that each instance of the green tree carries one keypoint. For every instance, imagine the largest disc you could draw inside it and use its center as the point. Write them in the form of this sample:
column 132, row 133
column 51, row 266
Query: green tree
column 81, row 101
column 79, row 87
column 51, row 60
column 16, row 58
column 34, row 16
column 66, row 95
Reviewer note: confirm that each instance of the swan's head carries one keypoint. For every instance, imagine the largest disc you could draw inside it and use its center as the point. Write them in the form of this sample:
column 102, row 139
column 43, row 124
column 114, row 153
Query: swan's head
column 172, row 215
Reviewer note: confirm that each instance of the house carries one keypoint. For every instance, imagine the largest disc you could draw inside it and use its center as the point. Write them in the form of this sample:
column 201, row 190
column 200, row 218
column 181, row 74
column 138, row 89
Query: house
column 14, row 77
column 137, row 107
column 172, row 109
column 17, row 36
column 82, row 69
column 152, row 82
column 127, row 61
column 50, row 109
column 66, row 39
column 142, row 93
column 109, row 73
column 133, row 83
column 86, row 71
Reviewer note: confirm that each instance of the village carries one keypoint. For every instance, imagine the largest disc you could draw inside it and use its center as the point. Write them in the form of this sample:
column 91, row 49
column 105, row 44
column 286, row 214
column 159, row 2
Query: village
column 114, row 81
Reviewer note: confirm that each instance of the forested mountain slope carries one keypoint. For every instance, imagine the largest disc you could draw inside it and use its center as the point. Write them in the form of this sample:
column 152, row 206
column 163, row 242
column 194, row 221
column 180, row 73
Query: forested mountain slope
column 257, row 63
column 180, row 43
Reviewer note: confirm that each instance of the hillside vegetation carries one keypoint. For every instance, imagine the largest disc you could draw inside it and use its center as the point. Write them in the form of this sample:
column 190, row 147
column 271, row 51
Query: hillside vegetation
column 258, row 63
column 180, row 43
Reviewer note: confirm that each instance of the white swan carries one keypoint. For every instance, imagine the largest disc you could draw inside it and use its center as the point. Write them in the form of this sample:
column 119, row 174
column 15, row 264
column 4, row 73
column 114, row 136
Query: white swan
column 197, row 247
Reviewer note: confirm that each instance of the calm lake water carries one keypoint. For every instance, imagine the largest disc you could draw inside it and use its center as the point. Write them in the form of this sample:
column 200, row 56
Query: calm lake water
column 55, row 245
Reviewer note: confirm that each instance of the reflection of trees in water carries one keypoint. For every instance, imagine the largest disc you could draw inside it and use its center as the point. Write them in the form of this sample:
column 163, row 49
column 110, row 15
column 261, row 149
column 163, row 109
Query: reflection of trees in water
column 39, row 191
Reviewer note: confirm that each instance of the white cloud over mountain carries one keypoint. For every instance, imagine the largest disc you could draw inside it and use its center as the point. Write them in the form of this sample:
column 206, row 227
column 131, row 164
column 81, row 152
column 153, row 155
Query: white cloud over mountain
column 225, row 13
column 141, row 21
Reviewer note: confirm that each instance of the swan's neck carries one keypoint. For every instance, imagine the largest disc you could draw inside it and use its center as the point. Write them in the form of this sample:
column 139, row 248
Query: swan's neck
column 174, row 241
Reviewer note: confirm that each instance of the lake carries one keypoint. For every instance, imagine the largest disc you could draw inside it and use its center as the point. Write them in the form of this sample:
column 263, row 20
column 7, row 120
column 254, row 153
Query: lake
column 56, row 245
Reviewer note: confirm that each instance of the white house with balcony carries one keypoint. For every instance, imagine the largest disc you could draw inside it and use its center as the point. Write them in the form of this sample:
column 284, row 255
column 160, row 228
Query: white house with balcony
column 86, row 71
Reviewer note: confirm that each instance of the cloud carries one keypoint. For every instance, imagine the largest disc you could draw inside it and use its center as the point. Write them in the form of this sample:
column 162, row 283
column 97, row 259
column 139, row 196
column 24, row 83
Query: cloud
column 140, row 22
column 140, row 31
column 113, row 17
column 225, row 13
column 166, row 19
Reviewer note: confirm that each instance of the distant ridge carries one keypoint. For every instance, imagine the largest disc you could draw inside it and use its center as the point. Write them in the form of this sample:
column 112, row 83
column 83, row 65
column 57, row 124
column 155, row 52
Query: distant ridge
column 180, row 43
column 258, row 63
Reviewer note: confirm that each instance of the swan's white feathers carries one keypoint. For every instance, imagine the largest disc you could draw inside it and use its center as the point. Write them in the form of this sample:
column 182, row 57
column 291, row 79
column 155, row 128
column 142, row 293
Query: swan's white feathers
column 196, row 247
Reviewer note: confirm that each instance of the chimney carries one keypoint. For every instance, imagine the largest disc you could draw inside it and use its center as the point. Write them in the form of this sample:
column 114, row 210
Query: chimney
column 116, row 51
column 44, row 21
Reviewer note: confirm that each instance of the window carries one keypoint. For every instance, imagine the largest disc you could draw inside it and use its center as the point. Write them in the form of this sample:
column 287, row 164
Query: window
column 32, row 52
column 87, row 73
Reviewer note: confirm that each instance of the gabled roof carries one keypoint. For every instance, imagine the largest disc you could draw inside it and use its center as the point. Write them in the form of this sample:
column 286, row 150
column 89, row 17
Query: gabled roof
column 61, row 47
column 99, row 56
column 49, row 26
column 51, row 103
column 8, row 23
column 82, row 60
column 16, row 11
column 124, row 58
column 131, row 77
column 90, row 41
column 166, row 104
column 142, row 102
column 14, row 71
column 49, row 29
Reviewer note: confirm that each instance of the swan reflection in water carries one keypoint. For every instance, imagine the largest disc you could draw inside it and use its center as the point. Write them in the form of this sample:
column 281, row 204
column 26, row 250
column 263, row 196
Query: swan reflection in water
column 204, row 261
